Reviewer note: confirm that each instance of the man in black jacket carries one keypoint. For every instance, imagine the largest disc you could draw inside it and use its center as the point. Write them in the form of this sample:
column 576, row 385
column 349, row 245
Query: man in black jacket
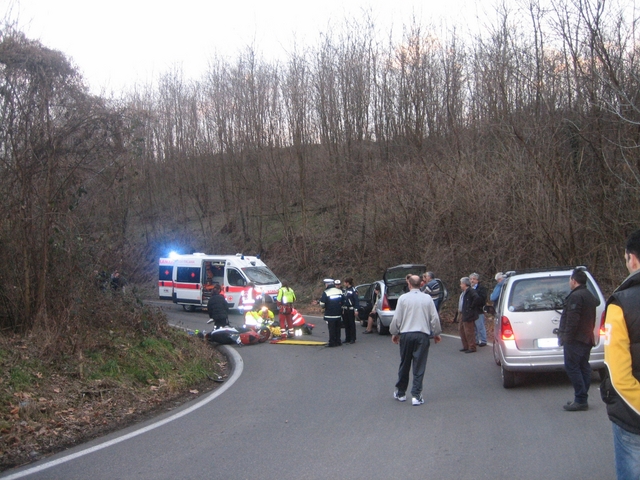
column 218, row 308
column 575, row 334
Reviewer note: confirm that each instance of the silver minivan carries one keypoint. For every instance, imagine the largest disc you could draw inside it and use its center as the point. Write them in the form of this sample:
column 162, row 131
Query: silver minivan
column 527, row 316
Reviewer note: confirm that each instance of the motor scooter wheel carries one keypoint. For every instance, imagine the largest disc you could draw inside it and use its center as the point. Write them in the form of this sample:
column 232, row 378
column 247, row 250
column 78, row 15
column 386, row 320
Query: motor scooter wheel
column 264, row 334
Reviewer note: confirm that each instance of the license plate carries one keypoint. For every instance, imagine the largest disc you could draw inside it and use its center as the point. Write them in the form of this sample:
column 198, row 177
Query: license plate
column 547, row 343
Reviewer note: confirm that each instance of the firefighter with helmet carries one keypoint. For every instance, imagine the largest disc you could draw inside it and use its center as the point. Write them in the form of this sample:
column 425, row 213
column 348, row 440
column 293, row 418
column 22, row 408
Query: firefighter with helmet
column 286, row 297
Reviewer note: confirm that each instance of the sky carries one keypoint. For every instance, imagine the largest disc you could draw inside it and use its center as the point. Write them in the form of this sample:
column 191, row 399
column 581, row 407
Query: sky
column 118, row 44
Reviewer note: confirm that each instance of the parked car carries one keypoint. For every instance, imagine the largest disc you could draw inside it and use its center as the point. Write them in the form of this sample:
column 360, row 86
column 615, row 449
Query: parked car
column 526, row 319
column 392, row 285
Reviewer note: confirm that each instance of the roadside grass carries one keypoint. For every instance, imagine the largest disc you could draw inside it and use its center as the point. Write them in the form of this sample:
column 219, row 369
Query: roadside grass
column 122, row 371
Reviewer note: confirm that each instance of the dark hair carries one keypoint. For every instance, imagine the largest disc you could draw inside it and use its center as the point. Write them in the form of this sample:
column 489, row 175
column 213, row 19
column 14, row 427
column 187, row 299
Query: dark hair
column 216, row 288
column 579, row 276
column 633, row 244
column 349, row 280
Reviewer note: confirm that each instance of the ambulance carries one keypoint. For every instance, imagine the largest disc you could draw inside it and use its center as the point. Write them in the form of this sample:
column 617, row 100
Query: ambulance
column 243, row 279
column 165, row 278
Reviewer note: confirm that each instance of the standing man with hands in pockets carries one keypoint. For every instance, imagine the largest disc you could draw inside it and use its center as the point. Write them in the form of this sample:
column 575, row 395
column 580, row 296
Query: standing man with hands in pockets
column 414, row 321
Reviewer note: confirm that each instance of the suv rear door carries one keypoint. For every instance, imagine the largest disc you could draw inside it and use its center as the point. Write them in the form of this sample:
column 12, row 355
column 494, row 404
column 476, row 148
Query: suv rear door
column 395, row 279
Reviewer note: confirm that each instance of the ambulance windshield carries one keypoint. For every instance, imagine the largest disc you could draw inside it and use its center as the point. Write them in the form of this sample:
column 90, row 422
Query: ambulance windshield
column 260, row 275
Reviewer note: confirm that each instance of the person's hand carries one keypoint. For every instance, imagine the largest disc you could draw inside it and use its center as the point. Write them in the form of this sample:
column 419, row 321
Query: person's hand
column 395, row 339
column 437, row 338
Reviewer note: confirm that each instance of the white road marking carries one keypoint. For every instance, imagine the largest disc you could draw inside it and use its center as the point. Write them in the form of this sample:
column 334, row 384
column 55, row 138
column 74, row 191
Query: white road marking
column 237, row 371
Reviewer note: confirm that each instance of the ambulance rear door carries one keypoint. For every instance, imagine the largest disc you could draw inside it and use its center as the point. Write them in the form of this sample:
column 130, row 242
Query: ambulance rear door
column 188, row 282
column 165, row 278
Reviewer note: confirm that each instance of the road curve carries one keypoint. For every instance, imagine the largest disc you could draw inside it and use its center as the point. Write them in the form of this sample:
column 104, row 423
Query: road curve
column 300, row 412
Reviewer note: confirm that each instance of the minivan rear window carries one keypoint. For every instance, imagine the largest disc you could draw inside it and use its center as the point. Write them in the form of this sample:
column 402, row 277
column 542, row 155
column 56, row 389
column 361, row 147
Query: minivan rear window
column 542, row 293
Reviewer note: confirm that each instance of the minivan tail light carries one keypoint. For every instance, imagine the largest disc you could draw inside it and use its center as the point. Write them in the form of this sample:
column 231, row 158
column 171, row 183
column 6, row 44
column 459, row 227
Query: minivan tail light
column 506, row 332
column 602, row 320
column 385, row 303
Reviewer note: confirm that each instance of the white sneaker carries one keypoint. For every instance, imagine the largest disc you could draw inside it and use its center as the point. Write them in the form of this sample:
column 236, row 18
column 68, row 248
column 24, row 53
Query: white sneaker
column 417, row 401
column 400, row 398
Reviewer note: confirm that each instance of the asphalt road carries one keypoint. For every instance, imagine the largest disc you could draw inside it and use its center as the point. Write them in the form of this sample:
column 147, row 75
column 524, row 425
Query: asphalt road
column 307, row 412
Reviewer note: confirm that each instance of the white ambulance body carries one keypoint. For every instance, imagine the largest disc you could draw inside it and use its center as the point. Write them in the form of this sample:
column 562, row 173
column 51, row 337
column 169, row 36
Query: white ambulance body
column 194, row 277
column 165, row 278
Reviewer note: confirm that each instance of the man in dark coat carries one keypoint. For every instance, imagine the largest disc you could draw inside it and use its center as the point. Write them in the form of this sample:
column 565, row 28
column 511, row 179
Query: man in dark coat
column 575, row 334
column 468, row 308
column 218, row 308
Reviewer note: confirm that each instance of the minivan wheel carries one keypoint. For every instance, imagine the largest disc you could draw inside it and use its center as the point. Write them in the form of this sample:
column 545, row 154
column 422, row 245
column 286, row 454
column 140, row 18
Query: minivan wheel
column 496, row 355
column 508, row 378
column 189, row 308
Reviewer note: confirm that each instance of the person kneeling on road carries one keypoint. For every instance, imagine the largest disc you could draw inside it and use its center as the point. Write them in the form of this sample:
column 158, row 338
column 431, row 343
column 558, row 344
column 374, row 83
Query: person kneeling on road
column 218, row 308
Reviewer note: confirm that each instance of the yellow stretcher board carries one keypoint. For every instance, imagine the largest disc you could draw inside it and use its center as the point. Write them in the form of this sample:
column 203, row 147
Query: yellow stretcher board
column 299, row 342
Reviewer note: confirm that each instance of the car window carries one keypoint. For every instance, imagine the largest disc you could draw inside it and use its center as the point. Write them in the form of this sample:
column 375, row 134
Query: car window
column 538, row 294
column 400, row 272
column 260, row 275
column 363, row 291
column 235, row 278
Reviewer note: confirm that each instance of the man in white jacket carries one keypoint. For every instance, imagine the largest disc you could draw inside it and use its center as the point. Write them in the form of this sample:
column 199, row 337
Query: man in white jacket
column 415, row 320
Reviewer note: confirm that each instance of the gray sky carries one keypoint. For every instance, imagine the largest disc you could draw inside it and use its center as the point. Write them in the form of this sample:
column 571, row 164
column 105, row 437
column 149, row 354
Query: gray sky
column 119, row 43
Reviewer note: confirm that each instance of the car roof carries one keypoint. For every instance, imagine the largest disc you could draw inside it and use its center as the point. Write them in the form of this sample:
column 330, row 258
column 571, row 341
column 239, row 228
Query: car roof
column 533, row 271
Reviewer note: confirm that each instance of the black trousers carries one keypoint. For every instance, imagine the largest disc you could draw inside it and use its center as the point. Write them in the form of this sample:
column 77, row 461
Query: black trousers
column 334, row 332
column 414, row 349
column 349, row 319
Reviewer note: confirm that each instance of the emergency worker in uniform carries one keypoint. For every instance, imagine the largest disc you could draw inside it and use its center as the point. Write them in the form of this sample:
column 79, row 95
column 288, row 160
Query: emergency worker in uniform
column 260, row 314
column 332, row 301
column 218, row 308
column 286, row 297
column 350, row 308
column 249, row 296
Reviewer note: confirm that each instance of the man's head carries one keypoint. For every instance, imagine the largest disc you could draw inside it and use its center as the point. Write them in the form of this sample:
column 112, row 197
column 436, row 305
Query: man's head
column 413, row 281
column 474, row 278
column 328, row 282
column 578, row 277
column 465, row 283
column 500, row 277
column 632, row 252
column 430, row 276
column 348, row 282
column 337, row 283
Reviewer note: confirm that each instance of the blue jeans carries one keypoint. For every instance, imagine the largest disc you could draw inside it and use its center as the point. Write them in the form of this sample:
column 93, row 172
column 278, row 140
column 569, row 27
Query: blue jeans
column 481, row 330
column 626, row 446
column 576, row 363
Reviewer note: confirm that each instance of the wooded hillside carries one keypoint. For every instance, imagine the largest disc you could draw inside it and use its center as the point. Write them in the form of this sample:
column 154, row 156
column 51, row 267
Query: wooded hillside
column 516, row 148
